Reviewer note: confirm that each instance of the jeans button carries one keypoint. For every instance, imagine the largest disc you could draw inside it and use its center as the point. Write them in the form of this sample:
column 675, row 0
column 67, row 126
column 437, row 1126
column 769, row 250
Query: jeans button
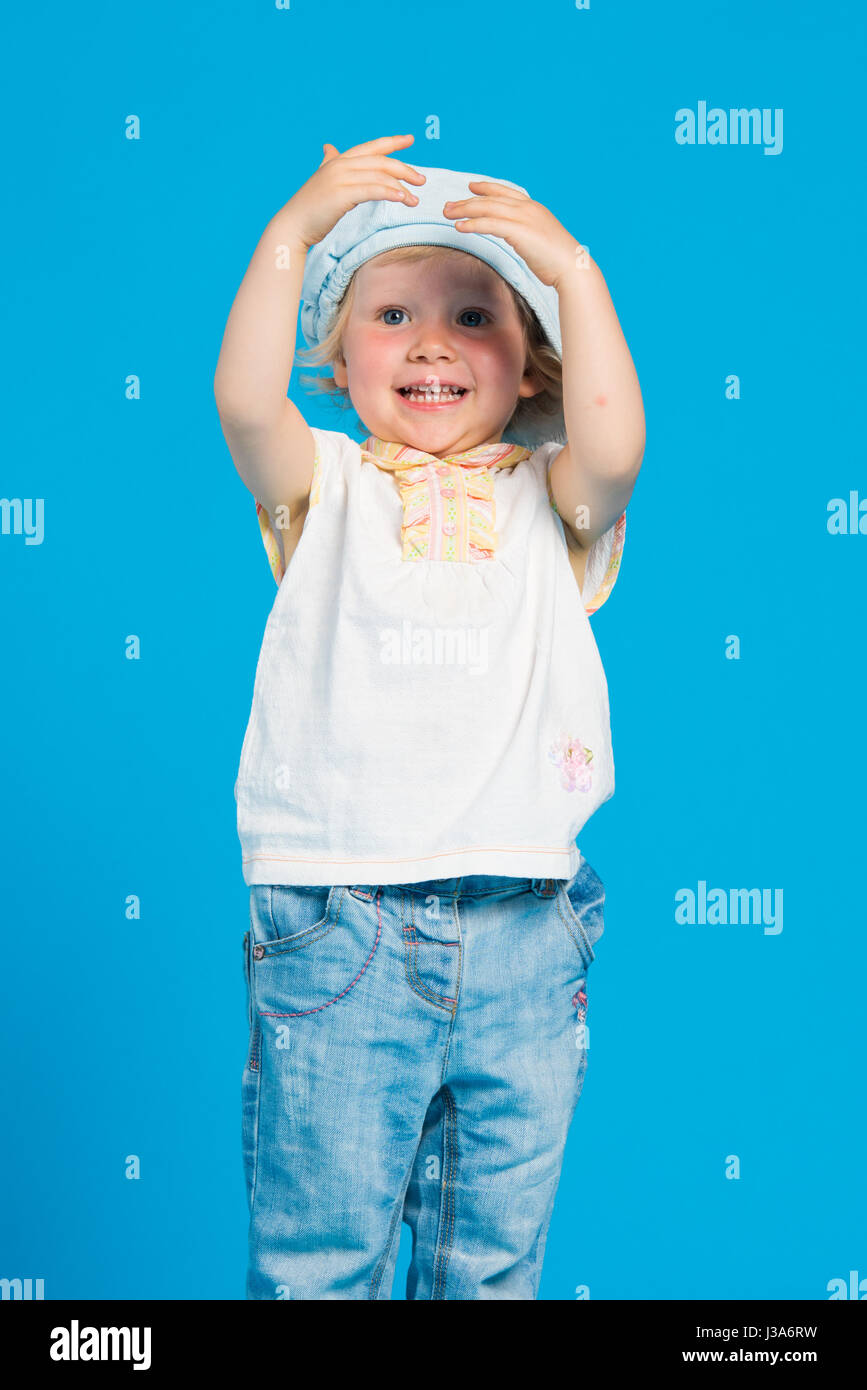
column 258, row 952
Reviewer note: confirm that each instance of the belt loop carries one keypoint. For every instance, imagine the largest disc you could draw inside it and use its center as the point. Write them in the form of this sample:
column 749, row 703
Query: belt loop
column 544, row 887
column 364, row 890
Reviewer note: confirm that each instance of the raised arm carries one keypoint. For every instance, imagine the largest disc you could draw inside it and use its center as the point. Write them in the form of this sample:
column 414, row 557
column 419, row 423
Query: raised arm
column 268, row 437
column 593, row 476
column 269, row 440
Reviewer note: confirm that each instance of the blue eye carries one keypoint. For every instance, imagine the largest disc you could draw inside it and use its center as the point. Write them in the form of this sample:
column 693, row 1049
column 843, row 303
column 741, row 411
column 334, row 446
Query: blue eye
column 396, row 322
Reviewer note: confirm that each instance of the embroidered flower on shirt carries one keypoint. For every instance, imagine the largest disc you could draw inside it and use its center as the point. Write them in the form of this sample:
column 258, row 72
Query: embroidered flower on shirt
column 574, row 760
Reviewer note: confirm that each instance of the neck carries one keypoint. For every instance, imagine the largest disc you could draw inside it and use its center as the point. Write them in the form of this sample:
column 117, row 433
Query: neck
column 494, row 454
column 442, row 453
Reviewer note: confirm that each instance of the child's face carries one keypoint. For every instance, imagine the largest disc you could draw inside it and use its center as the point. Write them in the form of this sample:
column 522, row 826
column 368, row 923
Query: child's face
column 443, row 320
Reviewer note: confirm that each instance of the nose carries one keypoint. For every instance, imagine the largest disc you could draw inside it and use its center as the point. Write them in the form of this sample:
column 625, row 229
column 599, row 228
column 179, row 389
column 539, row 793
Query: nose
column 432, row 342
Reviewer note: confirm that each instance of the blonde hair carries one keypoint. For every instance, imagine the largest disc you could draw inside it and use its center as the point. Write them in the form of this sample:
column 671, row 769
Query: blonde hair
column 534, row 412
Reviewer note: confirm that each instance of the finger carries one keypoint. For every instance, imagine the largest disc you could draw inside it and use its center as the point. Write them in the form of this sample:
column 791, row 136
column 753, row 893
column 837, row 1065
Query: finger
column 382, row 145
column 481, row 206
column 387, row 166
column 494, row 226
column 487, row 199
column 370, row 189
column 410, row 174
column 484, row 184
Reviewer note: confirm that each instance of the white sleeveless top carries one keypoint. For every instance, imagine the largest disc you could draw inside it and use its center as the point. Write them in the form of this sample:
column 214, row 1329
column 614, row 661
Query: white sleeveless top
column 430, row 719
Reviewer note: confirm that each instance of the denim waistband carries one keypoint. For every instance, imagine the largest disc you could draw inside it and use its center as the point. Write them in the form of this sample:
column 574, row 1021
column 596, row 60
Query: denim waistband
column 472, row 886
column 468, row 886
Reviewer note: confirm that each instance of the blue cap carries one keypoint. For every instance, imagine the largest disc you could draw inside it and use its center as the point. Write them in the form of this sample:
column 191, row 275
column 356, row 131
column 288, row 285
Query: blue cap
column 381, row 225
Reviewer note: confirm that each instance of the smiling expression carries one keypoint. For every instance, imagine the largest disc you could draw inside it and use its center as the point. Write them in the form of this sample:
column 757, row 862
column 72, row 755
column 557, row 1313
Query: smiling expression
column 447, row 325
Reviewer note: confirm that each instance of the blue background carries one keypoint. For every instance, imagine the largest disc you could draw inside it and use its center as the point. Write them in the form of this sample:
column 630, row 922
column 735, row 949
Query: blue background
column 128, row 1037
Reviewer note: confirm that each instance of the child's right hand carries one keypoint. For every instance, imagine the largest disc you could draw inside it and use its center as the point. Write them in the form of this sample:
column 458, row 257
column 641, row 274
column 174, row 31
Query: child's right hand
column 342, row 181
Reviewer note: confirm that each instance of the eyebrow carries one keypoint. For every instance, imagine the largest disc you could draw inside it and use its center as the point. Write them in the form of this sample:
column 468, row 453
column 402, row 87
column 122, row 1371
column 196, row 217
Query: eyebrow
column 469, row 297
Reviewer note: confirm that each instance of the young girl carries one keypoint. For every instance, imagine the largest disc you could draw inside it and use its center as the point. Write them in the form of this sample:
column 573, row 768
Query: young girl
column 430, row 726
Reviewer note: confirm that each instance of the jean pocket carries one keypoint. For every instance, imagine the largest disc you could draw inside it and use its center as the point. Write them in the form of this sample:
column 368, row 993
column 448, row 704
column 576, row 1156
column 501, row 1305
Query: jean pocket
column 288, row 918
column 246, row 946
column 253, row 1028
column 312, row 946
column 582, row 900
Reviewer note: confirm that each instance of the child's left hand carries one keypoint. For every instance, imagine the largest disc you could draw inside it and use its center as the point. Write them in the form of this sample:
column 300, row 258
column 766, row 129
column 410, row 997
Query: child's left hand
column 528, row 227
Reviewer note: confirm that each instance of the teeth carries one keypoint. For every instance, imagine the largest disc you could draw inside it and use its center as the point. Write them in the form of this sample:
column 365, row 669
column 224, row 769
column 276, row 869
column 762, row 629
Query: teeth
column 431, row 393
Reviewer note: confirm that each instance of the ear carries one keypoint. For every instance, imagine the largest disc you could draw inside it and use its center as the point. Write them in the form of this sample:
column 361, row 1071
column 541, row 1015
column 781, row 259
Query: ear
column 338, row 367
column 531, row 384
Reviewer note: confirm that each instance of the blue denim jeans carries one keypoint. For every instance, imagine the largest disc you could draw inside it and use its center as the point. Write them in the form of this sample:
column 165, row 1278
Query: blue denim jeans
column 416, row 1052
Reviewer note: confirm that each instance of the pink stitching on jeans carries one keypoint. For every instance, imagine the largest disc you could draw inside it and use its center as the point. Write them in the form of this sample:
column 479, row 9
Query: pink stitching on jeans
column 302, row 1013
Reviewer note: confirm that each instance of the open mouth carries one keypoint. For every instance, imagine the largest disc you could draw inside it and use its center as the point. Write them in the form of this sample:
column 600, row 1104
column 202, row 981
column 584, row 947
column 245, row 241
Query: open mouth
column 432, row 395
